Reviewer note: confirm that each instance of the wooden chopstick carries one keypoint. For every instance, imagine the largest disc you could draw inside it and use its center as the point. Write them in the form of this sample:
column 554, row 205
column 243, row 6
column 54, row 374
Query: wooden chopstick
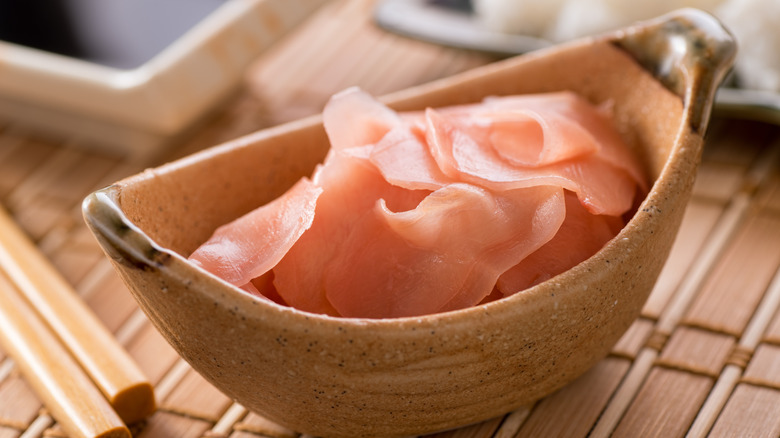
column 65, row 390
column 94, row 348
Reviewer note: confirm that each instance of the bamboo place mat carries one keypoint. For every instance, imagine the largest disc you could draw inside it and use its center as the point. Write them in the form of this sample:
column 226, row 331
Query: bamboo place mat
column 703, row 358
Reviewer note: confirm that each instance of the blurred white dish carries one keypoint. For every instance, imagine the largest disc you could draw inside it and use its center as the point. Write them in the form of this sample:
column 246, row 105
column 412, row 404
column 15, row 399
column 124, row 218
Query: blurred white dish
column 135, row 110
column 447, row 24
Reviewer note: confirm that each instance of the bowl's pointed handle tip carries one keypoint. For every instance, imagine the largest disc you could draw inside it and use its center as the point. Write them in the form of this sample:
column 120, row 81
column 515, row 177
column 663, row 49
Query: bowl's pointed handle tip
column 122, row 241
column 689, row 51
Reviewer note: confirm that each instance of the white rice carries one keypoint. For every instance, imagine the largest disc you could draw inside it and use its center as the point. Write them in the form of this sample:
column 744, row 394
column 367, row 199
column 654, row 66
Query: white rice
column 755, row 24
column 521, row 17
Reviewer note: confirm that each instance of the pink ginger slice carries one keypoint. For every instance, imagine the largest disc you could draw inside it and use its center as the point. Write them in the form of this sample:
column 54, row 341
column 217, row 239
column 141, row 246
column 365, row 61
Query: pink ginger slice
column 602, row 188
column 445, row 254
column 251, row 245
column 354, row 118
column 580, row 236
column 405, row 161
column 595, row 123
column 351, row 186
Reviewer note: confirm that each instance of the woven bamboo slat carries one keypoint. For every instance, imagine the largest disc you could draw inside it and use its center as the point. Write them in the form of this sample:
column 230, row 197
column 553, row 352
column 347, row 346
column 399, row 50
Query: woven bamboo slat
column 703, row 358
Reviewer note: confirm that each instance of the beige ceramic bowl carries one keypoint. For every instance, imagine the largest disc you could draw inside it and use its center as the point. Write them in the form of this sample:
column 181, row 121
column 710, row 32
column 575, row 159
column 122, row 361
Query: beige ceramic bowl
column 355, row 377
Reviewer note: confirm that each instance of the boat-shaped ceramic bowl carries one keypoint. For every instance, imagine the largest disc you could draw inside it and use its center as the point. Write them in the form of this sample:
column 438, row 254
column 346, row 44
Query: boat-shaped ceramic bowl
column 359, row 377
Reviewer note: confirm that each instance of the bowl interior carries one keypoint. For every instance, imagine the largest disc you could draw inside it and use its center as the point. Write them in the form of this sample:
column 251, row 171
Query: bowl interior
column 179, row 205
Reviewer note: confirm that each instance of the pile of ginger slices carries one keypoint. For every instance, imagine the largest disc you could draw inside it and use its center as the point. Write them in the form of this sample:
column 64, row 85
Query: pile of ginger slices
column 424, row 212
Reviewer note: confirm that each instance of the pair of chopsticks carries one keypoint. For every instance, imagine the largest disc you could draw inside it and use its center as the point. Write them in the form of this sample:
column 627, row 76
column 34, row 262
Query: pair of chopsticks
column 88, row 382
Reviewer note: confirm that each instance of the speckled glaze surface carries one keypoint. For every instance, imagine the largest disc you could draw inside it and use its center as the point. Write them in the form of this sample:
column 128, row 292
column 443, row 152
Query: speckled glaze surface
column 353, row 377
